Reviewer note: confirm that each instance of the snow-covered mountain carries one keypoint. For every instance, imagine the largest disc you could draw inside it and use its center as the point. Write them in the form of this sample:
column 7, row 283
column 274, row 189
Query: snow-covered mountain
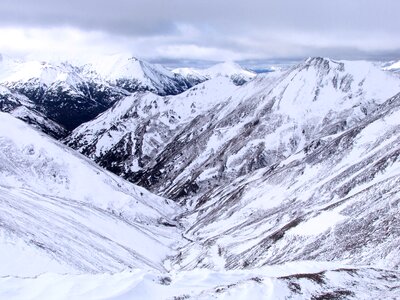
column 127, row 137
column 266, row 121
column 255, row 126
column 71, row 95
column 134, row 75
column 59, row 91
column 59, row 212
column 336, row 199
column 232, row 70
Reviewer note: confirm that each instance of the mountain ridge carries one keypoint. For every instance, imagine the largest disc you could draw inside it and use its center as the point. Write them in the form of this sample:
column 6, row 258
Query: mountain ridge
column 240, row 133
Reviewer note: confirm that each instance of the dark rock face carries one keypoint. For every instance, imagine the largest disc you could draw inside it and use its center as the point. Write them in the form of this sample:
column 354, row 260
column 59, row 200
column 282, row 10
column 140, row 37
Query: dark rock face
column 8, row 102
column 24, row 109
column 41, row 122
column 69, row 106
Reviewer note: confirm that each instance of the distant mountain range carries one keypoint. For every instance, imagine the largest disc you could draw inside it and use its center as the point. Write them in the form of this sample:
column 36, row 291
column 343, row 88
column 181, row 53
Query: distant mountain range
column 236, row 73
column 71, row 95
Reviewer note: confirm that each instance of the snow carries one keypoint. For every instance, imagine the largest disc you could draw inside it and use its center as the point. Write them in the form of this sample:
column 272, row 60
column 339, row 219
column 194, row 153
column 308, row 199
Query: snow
column 170, row 112
column 299, row 89
column 188, row 72
column 226, row 69
column 45, row 73
column 271, row 282
column 145, row 75
column 118, row 66
column 393, row 66
column 48, row 190
column 23, row 112
column 318, row 224
column 21, row 259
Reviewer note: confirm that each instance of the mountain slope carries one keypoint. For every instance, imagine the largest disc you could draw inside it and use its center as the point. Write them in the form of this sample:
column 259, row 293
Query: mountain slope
column 336, row 199
column 264, row 122
column 125, row 138
column 39, row 121
column 61, row 210
column 22, row 108
column 393, row 66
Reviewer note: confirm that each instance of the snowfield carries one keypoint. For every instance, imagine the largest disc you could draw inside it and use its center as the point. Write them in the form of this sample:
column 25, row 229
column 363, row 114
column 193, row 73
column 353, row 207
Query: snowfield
column 60, row 208
column 313, row 281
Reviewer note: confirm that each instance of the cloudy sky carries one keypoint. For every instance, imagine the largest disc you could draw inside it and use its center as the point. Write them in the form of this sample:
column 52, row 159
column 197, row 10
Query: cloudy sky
column 191, row 31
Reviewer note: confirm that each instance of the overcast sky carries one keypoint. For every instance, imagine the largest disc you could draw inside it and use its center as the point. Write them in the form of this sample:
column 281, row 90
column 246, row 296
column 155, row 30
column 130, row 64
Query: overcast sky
column 187, row 31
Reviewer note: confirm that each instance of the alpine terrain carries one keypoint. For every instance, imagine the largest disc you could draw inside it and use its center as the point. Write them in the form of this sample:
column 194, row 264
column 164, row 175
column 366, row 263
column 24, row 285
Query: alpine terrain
column 71, row 94
column 120, row 179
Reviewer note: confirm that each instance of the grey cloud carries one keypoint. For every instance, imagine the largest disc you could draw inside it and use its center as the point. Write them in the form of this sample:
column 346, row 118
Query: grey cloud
column 125, row 16
column 252, row 29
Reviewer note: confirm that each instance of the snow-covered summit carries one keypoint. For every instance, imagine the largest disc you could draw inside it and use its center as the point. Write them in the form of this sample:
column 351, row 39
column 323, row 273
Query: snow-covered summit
column 228, row 69
column 45, row 73
column 118, row 66
column 134, row 74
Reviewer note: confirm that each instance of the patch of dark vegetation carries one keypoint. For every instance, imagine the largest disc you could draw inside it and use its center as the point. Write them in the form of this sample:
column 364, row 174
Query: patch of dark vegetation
column 182, row 297
column 335, row 295
column 166, row 223
column 294, row 287
column 257, row 279
column 316, row 277
column 221, row 289
column 348, row 270
column 165, row 280
column 277, row 235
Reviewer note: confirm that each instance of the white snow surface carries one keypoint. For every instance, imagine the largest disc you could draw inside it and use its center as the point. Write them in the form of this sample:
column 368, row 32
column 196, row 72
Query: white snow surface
column 226, row 69
column 60, row 208
column 46, row 73
column 300, row 280
column 125, row 66
column 393, row 66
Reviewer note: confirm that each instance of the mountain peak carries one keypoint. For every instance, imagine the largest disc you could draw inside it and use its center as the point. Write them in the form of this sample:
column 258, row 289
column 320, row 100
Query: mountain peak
column 229, row 67
column 322, row 62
